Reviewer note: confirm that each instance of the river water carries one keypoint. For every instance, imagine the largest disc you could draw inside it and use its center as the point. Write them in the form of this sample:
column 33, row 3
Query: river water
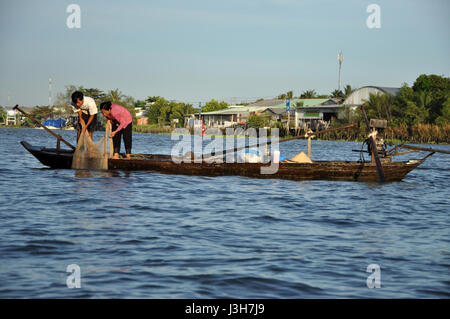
column 150, row 235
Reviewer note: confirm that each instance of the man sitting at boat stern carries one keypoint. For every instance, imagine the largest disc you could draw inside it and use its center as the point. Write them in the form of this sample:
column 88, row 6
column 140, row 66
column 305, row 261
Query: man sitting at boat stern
column 87, row 113
column 122, row 125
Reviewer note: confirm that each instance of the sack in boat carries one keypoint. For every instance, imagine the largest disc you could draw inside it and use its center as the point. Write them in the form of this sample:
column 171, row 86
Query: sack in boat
column 251, row 156
column 93, row 156
column 301, row 158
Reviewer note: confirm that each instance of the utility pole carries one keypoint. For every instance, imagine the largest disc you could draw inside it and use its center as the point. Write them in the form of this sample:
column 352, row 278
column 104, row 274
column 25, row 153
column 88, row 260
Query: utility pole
column 49, row 91
column 288, row 110
column 340, row 59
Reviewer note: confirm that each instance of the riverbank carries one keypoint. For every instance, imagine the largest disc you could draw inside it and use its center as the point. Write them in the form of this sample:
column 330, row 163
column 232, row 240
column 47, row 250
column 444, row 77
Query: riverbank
column 419, row 134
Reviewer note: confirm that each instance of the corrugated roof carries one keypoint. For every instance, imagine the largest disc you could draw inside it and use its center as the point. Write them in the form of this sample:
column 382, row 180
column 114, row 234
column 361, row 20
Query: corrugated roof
column 306, row 102
column 391, row 91
column 267, row 103
column 278, row 106
column 236, row 110
column 282, row 103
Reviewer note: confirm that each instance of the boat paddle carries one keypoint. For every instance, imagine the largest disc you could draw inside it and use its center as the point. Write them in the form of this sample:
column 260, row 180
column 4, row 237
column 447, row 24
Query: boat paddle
column 373, row 147
column 59, row 137
column 418, row 149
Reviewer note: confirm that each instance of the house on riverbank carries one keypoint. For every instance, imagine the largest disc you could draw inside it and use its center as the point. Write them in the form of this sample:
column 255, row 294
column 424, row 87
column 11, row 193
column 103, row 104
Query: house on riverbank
column 275, row 109
column 359, row 96
column 315, row 113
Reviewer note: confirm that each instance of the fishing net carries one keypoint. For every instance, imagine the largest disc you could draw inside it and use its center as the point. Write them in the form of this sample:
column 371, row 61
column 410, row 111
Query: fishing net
column 93, row 156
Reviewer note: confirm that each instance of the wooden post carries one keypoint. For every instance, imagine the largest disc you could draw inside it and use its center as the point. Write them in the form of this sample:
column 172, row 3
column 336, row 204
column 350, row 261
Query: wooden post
column 288, row 120
column 58, row 144
column 309, row 146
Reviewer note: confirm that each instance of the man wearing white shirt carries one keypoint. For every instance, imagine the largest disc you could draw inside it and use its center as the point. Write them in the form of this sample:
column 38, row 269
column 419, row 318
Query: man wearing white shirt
column 87, row 113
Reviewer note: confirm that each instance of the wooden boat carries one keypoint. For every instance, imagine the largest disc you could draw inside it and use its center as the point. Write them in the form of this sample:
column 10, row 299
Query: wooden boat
column 319, row 170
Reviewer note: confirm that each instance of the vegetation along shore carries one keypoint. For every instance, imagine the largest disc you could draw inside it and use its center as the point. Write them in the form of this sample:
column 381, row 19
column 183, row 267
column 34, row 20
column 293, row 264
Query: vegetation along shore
column 416, row 114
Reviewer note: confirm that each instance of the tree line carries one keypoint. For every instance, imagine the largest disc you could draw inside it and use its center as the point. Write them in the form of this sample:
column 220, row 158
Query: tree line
column 159, row 110
column 312, row 94
column 427, row 101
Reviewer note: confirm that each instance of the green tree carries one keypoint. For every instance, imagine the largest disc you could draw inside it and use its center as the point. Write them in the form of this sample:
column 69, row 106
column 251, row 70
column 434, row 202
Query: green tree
column 140, row 104
column 400, row 103
column 309, row 94
column 347, row 115
column 257, row 121
column 3, row 114
column 151, row 99
column 179, row 110
column 162, row 112
column 414, row 114
column 41, row 112
column 379, row 106
column 115, row 96
column 444, row 119
column 337, row 94
column 437, row 89
column 214, row 105
column 154, row 110
column 128, row 102
column 290, row 94
column 63, row 101
column 347, row 90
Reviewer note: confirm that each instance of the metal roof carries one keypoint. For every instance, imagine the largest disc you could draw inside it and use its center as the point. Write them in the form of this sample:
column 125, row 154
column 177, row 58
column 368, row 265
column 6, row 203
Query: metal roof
column 390, row 90
column 276, row 105
column 268, row 103
column 282, row 103
column 236, row 110
column 322, row 108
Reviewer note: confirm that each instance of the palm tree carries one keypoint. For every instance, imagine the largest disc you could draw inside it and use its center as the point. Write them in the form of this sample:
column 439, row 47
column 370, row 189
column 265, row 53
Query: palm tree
column 380, row 106
column 96, row 94
column 337, row 94
column 347, row 90
column 309, row 94
column 423, row 99
column 115, row 96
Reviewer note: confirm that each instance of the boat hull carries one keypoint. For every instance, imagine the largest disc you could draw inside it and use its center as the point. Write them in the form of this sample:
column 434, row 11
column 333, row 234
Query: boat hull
column 319, row 170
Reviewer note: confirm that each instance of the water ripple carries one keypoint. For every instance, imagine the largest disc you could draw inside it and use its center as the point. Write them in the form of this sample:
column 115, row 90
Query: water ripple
column 150, row 235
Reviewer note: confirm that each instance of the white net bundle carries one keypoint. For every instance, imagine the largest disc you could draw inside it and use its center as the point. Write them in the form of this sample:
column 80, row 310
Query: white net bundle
column 93, row 156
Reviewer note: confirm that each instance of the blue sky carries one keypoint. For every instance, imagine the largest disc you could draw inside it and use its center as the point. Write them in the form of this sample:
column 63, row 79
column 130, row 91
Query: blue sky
column 202, row 49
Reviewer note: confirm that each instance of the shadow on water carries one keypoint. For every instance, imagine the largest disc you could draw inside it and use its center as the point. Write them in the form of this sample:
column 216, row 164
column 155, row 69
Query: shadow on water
column 84, row 173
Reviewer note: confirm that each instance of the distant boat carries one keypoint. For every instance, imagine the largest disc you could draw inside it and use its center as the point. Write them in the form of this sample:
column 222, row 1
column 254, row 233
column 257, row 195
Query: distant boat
column 54, row 124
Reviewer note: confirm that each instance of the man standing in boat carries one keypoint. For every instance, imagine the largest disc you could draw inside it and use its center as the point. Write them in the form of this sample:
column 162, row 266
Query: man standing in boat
column 122, row 125
column 87, row 113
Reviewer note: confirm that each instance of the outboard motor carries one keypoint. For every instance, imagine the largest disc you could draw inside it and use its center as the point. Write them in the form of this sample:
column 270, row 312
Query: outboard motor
column 377, row 129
